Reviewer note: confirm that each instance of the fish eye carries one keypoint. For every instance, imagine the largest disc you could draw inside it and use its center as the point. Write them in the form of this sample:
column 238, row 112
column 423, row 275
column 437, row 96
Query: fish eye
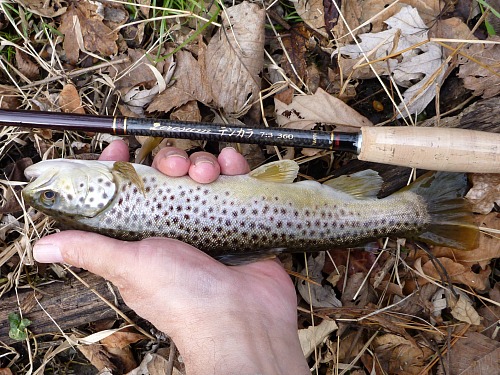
column 48, row 197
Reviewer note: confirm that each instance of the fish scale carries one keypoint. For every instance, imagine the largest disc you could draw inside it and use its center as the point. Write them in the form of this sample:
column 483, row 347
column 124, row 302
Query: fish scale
column 233, row 218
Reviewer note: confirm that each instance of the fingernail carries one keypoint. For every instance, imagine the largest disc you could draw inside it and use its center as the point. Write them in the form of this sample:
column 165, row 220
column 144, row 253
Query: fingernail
column 47, row 253
column 174, row 155
column 203, row 160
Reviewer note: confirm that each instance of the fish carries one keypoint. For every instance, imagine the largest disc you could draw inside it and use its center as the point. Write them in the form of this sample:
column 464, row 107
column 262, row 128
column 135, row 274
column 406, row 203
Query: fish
column 240, row 219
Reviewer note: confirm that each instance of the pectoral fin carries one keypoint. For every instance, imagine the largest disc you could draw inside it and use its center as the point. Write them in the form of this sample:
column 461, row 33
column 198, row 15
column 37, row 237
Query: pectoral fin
column 283, row 171
column 127, row 171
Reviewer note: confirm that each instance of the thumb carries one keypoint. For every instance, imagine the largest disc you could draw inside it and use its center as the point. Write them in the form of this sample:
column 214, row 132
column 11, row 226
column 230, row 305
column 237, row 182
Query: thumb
column 115, row 260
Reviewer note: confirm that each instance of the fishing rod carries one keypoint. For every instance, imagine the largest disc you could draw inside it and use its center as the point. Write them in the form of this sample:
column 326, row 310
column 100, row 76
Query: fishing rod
column 442, row 149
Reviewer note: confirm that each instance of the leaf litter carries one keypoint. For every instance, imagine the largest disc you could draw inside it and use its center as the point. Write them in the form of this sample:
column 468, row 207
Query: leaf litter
column 360, row 310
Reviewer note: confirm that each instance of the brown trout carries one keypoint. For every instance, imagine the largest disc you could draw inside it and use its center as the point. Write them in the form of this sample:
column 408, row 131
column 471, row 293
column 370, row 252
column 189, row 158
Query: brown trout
column 237, row 219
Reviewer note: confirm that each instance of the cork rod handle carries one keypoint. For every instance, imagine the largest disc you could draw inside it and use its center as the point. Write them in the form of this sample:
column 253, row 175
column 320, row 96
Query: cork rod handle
column 442, row 149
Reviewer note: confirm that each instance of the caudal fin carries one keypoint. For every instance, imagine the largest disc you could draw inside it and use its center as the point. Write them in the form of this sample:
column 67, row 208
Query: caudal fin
column 452, row 221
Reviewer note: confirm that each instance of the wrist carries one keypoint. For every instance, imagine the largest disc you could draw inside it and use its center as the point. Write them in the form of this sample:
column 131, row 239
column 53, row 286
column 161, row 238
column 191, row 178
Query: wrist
column 239, row 346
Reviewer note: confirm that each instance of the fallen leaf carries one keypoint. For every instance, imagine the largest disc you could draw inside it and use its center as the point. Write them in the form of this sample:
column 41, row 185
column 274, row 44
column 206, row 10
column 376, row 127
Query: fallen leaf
column 153, row 364
column 313, row 14
column 98, row 356
column 474, row 354
column 82, row 20
column 294, row 61
column 375, row 12
column 235, row 57
column 458, row 273
column 483, row 82
column 317, row 295
column 69, row 100
column 422, row 64
column 354, row 283
column 307, row 111
column 8, row 98
column 26, row 66
column 44, row 8
column 188, row 85
column 398, row 355
column 313, row 336
column 462, row 309
column 5, row 371
column 485, row 192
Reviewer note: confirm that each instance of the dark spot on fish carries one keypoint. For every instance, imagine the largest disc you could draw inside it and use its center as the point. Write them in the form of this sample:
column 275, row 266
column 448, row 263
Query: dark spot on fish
column 242, row 224
column 172, row 197
column 383, row 221
column 175, row 219
column 143, row 216
column 91, row 199
column 276, row 199
column 91, row 188
column 235, row 214
column 205, row 229
column 203, row 202
column 146, row 203
column 304, row 232
column 196, row 221
column 99, row 180
column 224, row 202
column 186, row 216
column 341, row 226
column 100, row 205
column 198, row 188
column 307, row 213
column 226, row 193
column 126, row 209
column 215, row 236
column 196, row 198
column 254, row 237
column 178, row 208
column 216, row 197
column 148, row 189
column 254, row 212
column 243, row 210
column 274, row 236
column 334, row 224
column 210, row 209
column 204, row 214
column 265, row 209
column 119, row 215
column 279, row 224
column 195, row 210
column 227, row 223
column 154, row 199
column 135, row 190
column 283, row 211
column 82, row 184
column 252, row 225
column 342, row 212
column 312, row 233
column 206, row 191
column 109, row 221
column 183, row 193
column 289, row 224
column 244, row 234
column 317, row 223
column 299, row 226
column 224, row 211
column 159, row 206
column 219, row 220
column 157, row 217
column 153, row 179
column 392, row 222
column 188, row 200
column 195, row 238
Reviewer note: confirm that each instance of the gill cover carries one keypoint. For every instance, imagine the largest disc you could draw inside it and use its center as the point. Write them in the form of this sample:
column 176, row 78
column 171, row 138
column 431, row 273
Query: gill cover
column 70, row 187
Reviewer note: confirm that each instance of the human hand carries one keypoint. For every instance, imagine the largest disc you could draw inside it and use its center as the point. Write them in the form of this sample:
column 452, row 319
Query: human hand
column 224, row 320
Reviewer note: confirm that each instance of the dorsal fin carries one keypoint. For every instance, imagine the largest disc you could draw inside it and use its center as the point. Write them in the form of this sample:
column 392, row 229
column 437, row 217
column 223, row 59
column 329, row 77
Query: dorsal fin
column 128, row 171
column 283, row 171
column 364, row 184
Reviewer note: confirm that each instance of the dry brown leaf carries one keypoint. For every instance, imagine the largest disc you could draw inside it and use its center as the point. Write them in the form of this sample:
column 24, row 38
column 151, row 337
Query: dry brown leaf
column 8, row 98
column 482, row 81
column 153, row 364
column 69, row 100
column 46, row 8
column 313, row 336
column 5, row 371
column 458, row 273
column 307, row 111
column 83, row 20
column 485, row 192
column 26, row 66
column 475, row 354
column 189, row 85
column 313, row 14
column 488, row 248
column 463, row 310
column 295, row 46
column 136, row 72
column 358, row 12
column 354, row 283
column 234, row 58
column 398, row 355
column 317, row 295
column 98, row 356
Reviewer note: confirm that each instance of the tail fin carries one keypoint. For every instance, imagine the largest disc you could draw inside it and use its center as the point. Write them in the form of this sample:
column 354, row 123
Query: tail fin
column 452, row 221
